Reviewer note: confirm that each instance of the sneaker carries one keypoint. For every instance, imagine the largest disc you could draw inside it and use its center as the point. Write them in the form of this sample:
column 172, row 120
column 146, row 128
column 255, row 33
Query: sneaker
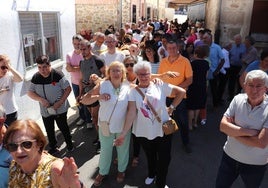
column 80, row 122
column 203, row 122
column 149, row 181
column 89, row 126
column 53, row 151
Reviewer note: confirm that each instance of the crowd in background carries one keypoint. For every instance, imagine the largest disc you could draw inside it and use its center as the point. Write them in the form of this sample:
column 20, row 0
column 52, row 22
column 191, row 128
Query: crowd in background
column 116, row 74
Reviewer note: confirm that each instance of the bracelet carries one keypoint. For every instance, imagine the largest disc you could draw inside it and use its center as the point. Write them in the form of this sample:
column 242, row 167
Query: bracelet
column 172, row 107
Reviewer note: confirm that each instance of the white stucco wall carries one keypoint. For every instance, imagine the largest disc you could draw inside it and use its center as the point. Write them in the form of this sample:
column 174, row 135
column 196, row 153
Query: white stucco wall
column 11, row 41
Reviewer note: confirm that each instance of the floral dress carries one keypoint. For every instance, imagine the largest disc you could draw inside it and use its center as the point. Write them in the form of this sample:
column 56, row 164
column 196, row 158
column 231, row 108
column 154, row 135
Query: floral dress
column 40, row 178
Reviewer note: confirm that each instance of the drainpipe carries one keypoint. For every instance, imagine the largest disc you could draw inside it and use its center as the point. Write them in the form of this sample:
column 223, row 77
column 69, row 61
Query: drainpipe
column 120, row 8
column 157, row 9
column 218, row 26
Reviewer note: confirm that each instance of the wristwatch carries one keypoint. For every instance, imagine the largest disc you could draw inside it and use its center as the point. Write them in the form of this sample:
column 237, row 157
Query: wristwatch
column 172, row 107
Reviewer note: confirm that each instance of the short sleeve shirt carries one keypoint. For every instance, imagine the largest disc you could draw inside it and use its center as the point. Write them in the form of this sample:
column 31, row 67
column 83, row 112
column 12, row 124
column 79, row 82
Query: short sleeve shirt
column 182, row 65
column 146, row 124
column 245, row 116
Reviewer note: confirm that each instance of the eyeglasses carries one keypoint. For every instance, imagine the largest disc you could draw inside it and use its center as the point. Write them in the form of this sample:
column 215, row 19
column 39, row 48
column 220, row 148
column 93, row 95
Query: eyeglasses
column 27, row 144
column 129, row 64
column 4, row 67
column 148, row 51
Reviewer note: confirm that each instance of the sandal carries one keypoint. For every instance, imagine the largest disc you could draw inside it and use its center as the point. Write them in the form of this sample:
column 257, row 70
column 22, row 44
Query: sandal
column 120, row 177
column 135, row 162
column 98, row 180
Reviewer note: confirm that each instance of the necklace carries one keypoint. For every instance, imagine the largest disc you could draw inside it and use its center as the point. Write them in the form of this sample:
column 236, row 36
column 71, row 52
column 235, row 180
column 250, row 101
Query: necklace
column 117, row 90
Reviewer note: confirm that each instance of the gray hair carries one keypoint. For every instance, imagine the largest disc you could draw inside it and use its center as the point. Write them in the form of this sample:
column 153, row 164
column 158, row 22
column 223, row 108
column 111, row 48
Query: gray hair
column 142, row 65
column 100, row 34
column 112, row 36
column 257, row 74
column 85, row 42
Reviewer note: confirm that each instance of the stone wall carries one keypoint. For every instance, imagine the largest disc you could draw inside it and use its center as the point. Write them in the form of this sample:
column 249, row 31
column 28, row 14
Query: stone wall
column 235, row 18
column 212, row 15
column 92, row 14
column 229, row 17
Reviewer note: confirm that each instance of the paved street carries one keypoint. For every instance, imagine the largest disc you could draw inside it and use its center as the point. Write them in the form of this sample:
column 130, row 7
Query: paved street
column 195, row 170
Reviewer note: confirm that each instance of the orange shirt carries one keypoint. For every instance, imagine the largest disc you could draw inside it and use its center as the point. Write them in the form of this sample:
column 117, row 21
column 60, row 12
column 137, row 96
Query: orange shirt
column 182, row 65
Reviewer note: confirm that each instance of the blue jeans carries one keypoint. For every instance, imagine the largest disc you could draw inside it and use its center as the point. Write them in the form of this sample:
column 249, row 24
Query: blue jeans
column 83, row 110
column 230, row 169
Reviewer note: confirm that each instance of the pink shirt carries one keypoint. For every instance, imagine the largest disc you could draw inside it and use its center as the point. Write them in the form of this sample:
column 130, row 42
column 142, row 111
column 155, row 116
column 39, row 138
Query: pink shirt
column 74, row 60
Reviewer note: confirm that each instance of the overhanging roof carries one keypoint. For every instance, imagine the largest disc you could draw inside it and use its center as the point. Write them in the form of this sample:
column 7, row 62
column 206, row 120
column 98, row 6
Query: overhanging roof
column 185, row 2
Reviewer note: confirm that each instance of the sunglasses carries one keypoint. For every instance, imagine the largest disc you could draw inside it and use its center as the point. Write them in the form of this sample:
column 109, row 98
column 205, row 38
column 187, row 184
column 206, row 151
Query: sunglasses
column 27, row 144
column 129, row 64
column 3, row 67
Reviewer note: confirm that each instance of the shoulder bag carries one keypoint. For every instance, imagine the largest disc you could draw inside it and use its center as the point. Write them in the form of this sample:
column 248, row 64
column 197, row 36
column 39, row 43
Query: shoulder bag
column 169, row 126
column 104, row 125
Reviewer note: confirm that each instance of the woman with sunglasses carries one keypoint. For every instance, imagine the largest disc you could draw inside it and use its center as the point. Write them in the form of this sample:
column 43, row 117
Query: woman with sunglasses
column 5, row 157
column 129, row 63
column 8, row 75
column 31, row 165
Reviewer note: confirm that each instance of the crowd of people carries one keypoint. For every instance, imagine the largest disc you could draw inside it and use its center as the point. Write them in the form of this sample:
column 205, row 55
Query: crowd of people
column 127, row 82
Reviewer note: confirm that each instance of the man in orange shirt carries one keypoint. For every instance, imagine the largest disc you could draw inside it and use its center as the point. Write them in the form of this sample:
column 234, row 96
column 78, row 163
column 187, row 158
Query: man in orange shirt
column 177, row 63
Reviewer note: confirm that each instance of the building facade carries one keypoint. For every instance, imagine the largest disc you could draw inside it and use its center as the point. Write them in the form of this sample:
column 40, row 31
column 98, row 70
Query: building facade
column 229, row 17
column 93, row 14
column 32, row 28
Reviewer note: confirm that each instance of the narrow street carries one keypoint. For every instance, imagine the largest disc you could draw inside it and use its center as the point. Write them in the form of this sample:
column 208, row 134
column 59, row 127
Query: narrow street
column 195, row 170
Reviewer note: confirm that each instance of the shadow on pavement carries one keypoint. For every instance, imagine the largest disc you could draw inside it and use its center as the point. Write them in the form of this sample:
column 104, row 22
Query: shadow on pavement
column 195, row 170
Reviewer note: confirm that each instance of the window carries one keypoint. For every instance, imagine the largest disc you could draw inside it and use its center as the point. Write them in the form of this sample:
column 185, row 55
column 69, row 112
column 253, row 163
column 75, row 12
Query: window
column 134, row 13
column 40, row 35
column 148, row 13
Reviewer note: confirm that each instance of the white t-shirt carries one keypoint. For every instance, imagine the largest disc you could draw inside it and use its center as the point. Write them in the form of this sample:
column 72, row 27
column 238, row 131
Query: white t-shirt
column 7, row 97
column 109, row 58
column 106, row 107
column 145, row 124
column 226, row 61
